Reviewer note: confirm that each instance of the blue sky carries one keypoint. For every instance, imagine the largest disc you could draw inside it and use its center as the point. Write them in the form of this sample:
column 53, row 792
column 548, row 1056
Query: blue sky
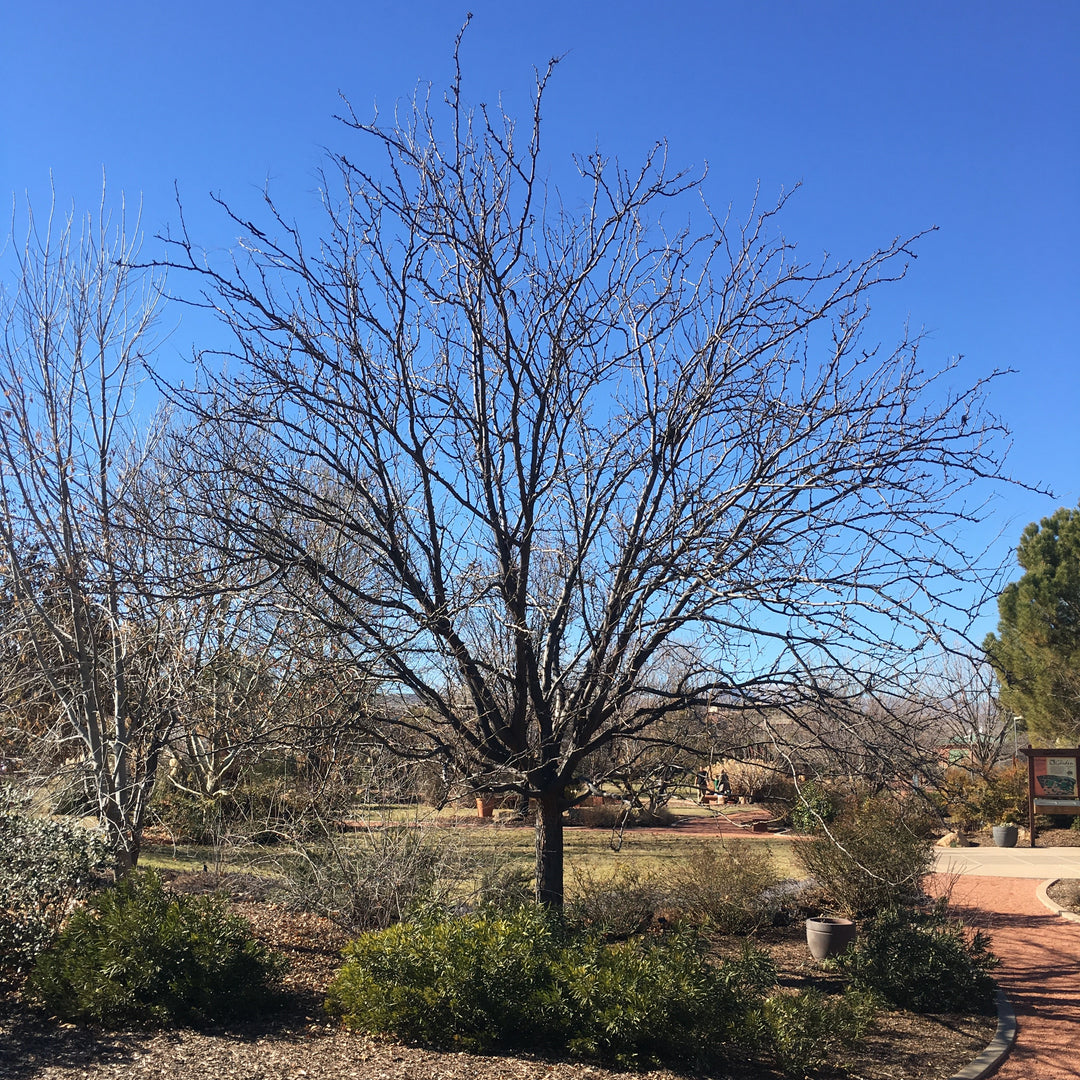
column 893, row 116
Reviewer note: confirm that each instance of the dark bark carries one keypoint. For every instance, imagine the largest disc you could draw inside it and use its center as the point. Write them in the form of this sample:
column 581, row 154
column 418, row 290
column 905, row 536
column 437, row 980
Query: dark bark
column 549, row 849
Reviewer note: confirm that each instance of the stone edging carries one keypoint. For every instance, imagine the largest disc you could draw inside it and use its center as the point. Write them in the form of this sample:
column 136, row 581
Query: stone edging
column 1040, row 892
column 997, row 1049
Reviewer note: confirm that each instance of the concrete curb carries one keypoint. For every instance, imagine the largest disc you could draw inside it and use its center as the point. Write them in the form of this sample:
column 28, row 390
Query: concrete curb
column 1045, row 900
column 997, row 1049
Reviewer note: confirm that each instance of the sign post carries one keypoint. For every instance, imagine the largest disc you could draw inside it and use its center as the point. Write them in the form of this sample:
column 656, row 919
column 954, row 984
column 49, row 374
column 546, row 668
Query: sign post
column 1052, row 786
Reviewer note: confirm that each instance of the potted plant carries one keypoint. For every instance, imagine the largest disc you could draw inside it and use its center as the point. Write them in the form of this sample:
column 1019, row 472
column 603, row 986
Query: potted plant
column 829, row 935
column 1006, row 832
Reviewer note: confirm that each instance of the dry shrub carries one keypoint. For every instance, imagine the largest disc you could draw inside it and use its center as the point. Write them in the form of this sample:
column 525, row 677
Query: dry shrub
column 610, row 816
column 758, row 780
column 726, row 886
column 875, row 856
column 615, row 907
column 972, row 800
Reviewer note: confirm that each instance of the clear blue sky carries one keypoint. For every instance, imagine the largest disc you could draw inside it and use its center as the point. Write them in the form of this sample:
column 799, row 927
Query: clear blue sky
column 894, row 116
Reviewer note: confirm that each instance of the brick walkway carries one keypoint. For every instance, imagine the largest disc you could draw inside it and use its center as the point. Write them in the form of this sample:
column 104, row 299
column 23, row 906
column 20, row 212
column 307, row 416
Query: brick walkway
column 1040, row 972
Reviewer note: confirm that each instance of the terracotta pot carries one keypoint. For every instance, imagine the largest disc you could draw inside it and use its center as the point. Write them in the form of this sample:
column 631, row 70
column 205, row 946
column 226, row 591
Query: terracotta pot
column 485, row 805
column 829, row 936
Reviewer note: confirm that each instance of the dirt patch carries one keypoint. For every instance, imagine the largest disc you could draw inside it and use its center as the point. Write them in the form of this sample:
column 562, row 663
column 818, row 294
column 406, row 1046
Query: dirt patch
column 297, row 1041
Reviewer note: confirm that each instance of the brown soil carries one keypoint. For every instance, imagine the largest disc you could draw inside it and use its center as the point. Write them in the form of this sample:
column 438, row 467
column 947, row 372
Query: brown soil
column 299, row 1042
column 1044, row 838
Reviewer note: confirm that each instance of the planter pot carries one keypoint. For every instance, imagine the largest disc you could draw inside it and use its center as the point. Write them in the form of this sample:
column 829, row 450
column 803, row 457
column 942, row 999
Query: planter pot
column 829, row 936
column 485, row 807
column 1006, row 835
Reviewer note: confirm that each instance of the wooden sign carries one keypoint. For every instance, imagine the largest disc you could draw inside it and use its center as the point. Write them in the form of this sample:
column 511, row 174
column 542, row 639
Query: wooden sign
column 1052, row 783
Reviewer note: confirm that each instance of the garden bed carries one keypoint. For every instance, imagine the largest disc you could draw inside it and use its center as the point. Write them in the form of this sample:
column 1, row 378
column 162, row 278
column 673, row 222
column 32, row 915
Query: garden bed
column 298, row 1041
column 1065, row 892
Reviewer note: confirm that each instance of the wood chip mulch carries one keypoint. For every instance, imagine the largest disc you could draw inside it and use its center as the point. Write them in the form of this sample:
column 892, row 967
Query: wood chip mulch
column 299, row 1041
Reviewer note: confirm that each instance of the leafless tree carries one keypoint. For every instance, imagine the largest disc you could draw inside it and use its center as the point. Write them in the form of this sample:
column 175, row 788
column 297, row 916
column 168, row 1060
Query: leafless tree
column 96, row 660
column 569, row 431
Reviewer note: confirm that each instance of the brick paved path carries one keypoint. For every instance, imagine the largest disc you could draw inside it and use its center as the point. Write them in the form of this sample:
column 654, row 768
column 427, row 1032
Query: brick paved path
column 1040, row 972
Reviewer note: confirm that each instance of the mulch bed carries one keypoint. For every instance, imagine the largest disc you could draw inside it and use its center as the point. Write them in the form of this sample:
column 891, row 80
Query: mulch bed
column 1065, row 892
column 298, row 1041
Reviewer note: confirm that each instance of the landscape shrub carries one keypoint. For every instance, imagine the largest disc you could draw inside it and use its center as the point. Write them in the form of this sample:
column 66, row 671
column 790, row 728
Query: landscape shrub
column 761, row 781
column 727, row 887
column 46, row 867
column 505, row 980
column 803, row 1030
column 614, row 907
column 972, row 800
column 373, row 877
column 137, row 954
column 646, row 1001
column 923, row 961
column 815, row 806
column 262, row 810
column 875, row 856
column 753, row 970
column 614, row 815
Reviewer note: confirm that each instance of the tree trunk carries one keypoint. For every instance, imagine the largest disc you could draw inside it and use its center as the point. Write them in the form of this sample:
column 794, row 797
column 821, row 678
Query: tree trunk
column 549, row 849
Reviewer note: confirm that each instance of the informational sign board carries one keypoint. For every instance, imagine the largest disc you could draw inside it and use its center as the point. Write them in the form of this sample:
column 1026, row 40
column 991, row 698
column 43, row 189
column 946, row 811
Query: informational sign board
column 1055, row 777
column 1052, row 784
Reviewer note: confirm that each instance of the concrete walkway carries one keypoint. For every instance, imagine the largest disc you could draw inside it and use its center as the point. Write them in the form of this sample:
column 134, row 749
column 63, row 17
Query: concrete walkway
column 1017, row 862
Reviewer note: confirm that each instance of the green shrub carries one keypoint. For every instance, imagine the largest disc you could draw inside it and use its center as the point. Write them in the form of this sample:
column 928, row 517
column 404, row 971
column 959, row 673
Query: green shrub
column 753, row 970
column 726, row 886
column 505, row 980
column 875, row 856
column 482, row 982
column 46, row 866
column 803, row 1031
column 923, row 962
column 645, row 1001
column 813, row 808
column 140, row 955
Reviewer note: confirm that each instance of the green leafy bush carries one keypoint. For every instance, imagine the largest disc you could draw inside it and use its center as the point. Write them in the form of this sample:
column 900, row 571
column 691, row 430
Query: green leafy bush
column 140, row 955
column 481, row 982
column 875, row 856
column 726, row 886
column 925, row 962
column 505, row 980
column 802, row 1031
column 753, row 970
column 645, row 1001
column 813, row 808
column 46, row 867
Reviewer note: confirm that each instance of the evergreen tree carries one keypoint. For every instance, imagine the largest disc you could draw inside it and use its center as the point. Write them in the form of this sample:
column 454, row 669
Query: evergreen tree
column 1036, row 651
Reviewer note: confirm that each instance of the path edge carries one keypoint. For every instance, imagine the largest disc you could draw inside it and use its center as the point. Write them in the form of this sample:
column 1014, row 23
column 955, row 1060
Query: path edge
column 997, row 1049
column 1041, row 893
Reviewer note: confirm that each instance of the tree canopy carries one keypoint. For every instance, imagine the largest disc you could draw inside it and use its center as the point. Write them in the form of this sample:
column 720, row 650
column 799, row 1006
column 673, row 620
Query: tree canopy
column 562, row 465
column 1036, row 651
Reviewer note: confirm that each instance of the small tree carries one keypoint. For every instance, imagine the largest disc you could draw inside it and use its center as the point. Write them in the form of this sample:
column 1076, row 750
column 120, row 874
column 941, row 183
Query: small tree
column 517, row 446
column 91, row 659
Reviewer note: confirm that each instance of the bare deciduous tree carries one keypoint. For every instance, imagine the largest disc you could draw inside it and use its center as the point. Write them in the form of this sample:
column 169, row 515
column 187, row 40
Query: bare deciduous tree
column 567, row 433
column 91, row 661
